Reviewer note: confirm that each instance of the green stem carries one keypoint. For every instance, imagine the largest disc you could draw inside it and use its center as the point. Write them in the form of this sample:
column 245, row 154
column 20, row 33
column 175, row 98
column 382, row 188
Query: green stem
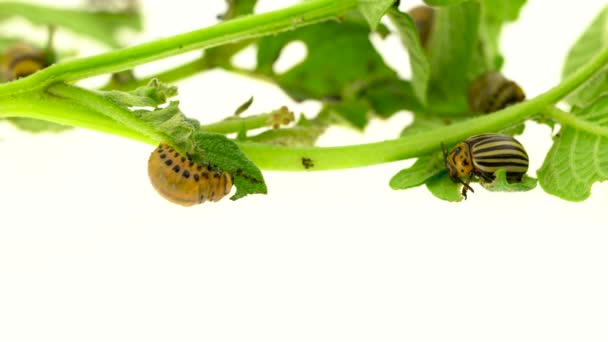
column 415, row 145
column 118, row 114
column 571, row 120
column 247, row 27
column 63, row 111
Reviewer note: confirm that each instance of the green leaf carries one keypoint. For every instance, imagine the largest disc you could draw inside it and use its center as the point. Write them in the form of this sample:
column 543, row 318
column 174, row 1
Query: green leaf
column 386, row 97
column 103, row 27
column 444, row 2
column 579, row 155
column 243, row 107
column 237, row 8
column 173, row 123
column 422, row 171
column 418, row 61
column 442, row 187
column 452, row 46
column 220, row 152
column 374, row 10
column 353, row 113
column 593, row 40
column 359, row 82
column 37, row 126
column 494, row 14
column 325, row 72
column 501, row 184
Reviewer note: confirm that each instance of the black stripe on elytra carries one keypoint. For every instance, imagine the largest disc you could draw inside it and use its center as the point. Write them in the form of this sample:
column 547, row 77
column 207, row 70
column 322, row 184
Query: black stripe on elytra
column 481, row 149
column 501, row 164
column 501, row 156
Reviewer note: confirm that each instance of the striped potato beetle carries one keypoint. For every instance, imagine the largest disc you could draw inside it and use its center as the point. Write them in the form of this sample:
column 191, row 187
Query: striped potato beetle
column 482, row 155
column 423, row 19
column 491, row 91
column 183, row 182
column 20, row 60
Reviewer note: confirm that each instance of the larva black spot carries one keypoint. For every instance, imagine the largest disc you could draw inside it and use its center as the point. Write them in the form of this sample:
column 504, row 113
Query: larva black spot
column 176, row 168
column 186, row 174
column 183, row 159
column 163, row 156
column 168, row 162
column 196, row 177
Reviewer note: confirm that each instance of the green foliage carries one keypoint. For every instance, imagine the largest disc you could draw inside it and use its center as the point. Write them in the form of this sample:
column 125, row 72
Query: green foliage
column 373, row 10
column 442, row 187
column 317, row 78
column 500, row 183
column 452, row 46
column 37, row 126
column 423, row 170
column 590, row 42
column 418, row 61
column 218, row 151
column 444, row 2
column 579, row 155
column 343, row 71
column 101, row 26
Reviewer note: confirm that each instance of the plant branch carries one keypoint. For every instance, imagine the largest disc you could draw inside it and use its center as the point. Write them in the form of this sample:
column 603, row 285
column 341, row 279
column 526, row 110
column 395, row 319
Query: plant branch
column 415, row 145
column 571, row 120
column 119, row 115
column 247, row 27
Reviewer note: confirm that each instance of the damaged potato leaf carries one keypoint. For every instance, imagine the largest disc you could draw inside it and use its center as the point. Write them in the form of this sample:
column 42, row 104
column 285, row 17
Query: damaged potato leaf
column 316, row 77
column 220, row 152
column 594, row 39
column 423, row 169
column 501, row 184
column 101, row 26
column 442, row 187
column 578, row 157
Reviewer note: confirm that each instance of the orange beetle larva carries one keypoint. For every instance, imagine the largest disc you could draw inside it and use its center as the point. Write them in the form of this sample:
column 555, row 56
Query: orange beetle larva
column 184, row 182
column 20, row 60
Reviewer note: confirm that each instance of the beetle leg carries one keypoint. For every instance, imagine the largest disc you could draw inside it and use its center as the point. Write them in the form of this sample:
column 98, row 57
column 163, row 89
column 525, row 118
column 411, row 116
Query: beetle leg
column 466, row 186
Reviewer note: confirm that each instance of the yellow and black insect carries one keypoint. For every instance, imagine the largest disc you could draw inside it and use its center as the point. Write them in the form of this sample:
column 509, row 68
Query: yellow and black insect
column 423, row 17
column 181, row 181
column 492, row 91
column 20, row 60
column 482, row 155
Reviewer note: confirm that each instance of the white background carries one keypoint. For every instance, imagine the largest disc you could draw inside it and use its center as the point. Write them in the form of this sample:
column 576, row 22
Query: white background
column 89, row 252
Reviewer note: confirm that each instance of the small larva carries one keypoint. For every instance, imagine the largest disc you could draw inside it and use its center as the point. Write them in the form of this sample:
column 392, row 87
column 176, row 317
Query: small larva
column 423, row 17
column 482, row 155
column 183, row 182
column 20, row 60
column 492, row 91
